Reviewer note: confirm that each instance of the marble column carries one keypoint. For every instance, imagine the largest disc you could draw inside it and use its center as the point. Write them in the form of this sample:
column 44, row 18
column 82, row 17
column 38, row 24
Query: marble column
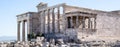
column 71, row 22
column 28, row 29
column 41, row 21
column 44, row 21
column 64, row 19
column 95, row 23
column 23, row 31
column 58, row 23
column 77, row 21
column 83, row 22
column 53, row 21
column 83, row 25
column 18, row 30
column 49, row 21
column 28, row 26
column 89, row 22
column 91, row 26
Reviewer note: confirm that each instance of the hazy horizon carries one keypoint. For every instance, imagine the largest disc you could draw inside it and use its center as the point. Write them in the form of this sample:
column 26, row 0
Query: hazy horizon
column 8, row 38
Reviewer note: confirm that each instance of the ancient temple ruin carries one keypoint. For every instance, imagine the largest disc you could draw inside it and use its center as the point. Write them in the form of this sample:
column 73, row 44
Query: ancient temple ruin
column 70, row 22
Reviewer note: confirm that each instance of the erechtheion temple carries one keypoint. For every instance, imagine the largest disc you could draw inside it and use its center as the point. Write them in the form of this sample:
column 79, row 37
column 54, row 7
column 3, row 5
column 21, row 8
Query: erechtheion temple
column 69, row 22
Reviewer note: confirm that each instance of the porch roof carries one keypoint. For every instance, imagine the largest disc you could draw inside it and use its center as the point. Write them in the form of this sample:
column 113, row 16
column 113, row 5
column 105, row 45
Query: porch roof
column 78, row 13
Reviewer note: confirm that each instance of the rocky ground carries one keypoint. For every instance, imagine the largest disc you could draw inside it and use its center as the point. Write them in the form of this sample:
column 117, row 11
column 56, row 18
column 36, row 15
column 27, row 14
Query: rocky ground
column 41, row 42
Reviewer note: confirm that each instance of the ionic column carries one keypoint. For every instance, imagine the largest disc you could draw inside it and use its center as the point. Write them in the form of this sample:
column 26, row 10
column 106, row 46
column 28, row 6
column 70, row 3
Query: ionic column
column 91, row 25
column 43, row 15
column 76, row 21
column 23, row 31
column 83, row 22
column 89, row 22
column 18, row 30
column 83, row 25
column 28, row 29
column 65, row 18
column 39, row 21
column 28, row 23
column 49, row 20
column 58, row 23
column 53, row 21
column 95, row 23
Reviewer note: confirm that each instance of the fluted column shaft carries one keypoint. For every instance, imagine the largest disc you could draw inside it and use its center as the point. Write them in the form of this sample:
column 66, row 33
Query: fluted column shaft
column 95, row 23
column 53, row 21
column 71, row 22
column 44, row 21
column 49, row 21
column 58, row 23
column 23, row 31
column 76, row 21
column 18, row 29
column 89, row 22
column 83, row 21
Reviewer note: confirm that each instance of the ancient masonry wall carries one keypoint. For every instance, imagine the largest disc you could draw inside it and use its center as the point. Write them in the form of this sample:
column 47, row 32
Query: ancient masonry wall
column 108, row 26
column 56, row 23
column 34, row 22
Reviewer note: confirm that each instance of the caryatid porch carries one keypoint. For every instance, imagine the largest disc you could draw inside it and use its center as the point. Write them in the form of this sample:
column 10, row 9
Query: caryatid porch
column 83, row 23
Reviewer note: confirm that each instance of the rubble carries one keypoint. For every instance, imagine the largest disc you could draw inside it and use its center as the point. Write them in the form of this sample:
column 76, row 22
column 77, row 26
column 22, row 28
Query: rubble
column 41, row 42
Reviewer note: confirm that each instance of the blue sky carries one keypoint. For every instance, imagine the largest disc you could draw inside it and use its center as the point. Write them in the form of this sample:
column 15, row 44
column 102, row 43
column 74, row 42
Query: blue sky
column 10, row 8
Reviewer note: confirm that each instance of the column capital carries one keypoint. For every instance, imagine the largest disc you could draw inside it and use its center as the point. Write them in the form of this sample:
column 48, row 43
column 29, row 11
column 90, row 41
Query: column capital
column 18, row 22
